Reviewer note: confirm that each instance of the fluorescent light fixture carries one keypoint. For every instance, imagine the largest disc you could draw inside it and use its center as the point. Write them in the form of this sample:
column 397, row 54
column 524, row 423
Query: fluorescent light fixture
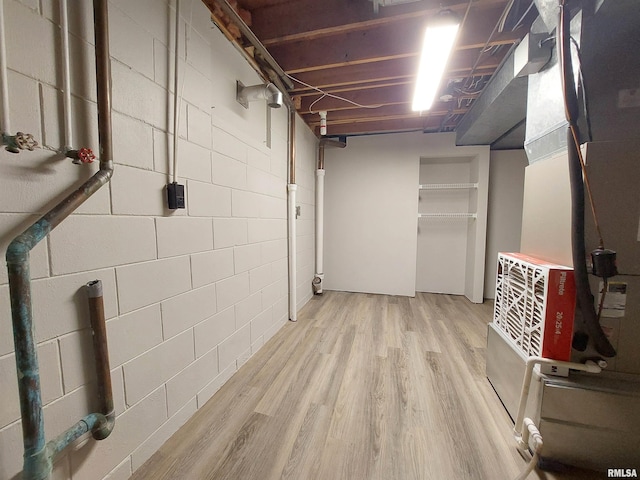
column 436, row 49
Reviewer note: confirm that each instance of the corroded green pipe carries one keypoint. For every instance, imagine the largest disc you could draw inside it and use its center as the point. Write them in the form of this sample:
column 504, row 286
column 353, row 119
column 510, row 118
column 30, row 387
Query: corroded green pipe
column 38, row 456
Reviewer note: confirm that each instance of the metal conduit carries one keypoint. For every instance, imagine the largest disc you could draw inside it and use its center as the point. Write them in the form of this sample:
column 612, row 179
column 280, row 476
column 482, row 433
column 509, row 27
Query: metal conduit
column 38, row 456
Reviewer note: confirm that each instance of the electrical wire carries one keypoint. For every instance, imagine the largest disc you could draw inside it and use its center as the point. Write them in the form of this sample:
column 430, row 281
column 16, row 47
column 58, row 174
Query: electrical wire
column 327, row 94
column 519, row 22
column 356, row 104
column 493, row 32
column 503, row 17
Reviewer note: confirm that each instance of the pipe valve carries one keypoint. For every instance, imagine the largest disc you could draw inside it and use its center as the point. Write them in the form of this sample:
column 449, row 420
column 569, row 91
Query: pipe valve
column 19, row 141
column 81, row 156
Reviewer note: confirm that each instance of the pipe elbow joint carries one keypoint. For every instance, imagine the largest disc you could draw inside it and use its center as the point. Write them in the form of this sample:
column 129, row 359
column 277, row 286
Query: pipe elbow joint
column 18, row 250
column 104, row 426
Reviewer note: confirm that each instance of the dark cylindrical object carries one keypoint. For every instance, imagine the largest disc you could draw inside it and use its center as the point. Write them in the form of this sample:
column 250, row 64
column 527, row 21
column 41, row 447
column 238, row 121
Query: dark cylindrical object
column 583, row 290
column 101, row 353
column 566, row 66
column 603, row 263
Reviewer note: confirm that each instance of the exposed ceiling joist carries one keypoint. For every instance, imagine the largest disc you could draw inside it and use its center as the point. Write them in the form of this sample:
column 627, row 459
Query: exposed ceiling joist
column 343, row 48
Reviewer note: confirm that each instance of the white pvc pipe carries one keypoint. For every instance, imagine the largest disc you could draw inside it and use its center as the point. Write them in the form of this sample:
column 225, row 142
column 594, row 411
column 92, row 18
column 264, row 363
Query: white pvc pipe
column 589, row 366
column 176, row 103
column 531, row 430
column 320, row 223
column 291, row 215
column 66, row 77
column 5, row 128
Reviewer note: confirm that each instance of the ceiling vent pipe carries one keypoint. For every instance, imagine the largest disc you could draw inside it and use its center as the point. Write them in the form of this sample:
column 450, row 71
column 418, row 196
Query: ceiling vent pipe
column 267, row 92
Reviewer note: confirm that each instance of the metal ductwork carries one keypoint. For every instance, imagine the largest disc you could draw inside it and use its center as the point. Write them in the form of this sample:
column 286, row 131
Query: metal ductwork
column 268, row 92
column 497, row 116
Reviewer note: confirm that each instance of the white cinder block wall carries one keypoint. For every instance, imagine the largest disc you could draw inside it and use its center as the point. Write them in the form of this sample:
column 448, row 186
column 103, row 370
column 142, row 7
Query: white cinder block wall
column 189, row 295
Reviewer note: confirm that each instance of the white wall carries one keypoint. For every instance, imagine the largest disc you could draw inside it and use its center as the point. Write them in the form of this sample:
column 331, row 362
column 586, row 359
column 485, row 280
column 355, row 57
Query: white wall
column 190, row 295
column 370, row 217
column 306, row 155
column 504, row 223
column 371, row 206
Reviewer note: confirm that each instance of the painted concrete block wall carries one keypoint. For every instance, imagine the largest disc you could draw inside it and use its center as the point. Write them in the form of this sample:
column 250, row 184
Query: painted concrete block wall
column 504, row 222
column 189, row 295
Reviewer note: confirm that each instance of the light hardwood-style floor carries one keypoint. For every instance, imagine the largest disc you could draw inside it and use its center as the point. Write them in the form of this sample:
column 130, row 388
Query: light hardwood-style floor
column 361, row 387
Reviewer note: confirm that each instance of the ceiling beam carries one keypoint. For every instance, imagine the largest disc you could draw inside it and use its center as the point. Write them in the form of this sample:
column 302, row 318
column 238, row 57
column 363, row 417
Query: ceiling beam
column 334, row 16
column 431, row 123
column 382, row 43
column 396, row 112
column 389, row 70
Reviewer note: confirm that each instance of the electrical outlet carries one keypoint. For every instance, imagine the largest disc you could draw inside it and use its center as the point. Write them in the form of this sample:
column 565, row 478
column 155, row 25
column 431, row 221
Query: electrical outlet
column 175, row 196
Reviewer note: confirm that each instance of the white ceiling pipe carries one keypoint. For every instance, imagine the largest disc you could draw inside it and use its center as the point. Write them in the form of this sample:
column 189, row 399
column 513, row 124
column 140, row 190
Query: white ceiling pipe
column 5, row 128
column 66, row 77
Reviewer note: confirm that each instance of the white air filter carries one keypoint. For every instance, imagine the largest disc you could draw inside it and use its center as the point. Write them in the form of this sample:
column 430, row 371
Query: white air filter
column 534, row 305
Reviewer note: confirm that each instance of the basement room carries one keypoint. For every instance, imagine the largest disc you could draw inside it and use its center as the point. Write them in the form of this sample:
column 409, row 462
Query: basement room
column 319, row 240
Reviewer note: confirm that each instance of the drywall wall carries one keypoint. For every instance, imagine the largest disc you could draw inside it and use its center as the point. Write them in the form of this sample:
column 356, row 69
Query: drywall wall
column 504, row 223
column 189, row 295
column 370, row 217
column 371, row 206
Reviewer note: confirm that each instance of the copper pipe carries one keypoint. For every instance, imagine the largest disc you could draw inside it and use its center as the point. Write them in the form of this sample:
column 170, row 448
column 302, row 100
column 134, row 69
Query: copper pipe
column 38, row 456
column 321, row 156
column 292, row 145
column 101, row 353
column 328, row 142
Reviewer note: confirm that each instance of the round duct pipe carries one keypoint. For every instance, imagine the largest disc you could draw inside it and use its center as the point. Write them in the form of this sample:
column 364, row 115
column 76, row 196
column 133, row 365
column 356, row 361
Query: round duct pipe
column 267, row 92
